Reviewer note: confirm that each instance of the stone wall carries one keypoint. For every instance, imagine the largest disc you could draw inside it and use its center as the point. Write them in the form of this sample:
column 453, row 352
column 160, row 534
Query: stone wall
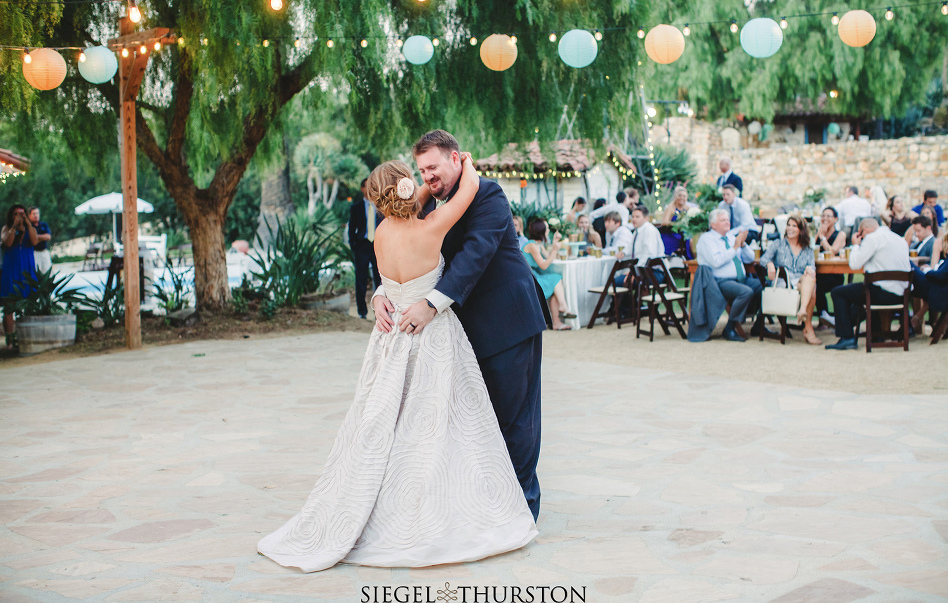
column 779, row 171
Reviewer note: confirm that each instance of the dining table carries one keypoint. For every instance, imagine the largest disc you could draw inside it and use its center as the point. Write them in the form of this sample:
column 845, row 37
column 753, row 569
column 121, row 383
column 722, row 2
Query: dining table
column 579, row 275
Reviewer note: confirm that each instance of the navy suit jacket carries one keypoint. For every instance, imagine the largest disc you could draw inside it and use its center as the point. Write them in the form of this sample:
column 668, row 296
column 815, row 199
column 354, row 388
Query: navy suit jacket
column 487, row 276
column 735, row 180
column 358, row 228
column 936, row 288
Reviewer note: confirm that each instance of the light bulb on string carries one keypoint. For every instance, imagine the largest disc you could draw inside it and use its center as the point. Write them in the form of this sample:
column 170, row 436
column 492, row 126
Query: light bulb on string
column 125, row 53
column 364, row 43
column 266, row 43
column 435, row 42
column 296, row 42
column 641, row 33
column 330, row 43
column 835, row 19
column 142, row 49
column 552, row 37
column 26, row 57
column 734, row 26
column 82, row 57
column 204, row 42
column 513, row 39
column 399, row 42
column 686, row 30
column 180, row 41
column 276, row 4
column 598, row 35
column 889, row 15
column 783, row 23
column 944, row 8
column 473, row 41
column 134, row 13
column 157, row 46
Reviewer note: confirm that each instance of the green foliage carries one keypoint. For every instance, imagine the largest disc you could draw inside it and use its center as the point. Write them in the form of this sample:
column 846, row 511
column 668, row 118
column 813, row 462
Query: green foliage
column 268, row 308
column 720, row 80
column 47, row 294
column 110, row 306
column 176, row 297
column 238, row 302
column 814, row 196
column 301, row 250
column 707, row 197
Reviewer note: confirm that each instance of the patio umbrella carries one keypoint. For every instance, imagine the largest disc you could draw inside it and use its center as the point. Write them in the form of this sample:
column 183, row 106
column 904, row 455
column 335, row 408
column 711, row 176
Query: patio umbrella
column 111, row 203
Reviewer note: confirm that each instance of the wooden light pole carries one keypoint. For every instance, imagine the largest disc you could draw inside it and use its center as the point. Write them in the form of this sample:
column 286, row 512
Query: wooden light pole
column 131, row 71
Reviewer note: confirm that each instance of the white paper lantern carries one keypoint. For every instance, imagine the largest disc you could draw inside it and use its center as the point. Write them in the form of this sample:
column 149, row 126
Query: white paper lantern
column 754, row 127
column 100, row 65
column 418, row 50
column 761, row 38
column 578, row 48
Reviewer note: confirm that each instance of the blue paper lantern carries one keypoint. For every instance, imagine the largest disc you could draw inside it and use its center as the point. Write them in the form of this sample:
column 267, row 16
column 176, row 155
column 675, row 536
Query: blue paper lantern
column 761, row 38
column 418, row 50
column 578, row 48
column 100, row 65
column 833, row 129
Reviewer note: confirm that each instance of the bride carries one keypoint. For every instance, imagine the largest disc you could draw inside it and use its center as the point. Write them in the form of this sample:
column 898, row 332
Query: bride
column 419, row 473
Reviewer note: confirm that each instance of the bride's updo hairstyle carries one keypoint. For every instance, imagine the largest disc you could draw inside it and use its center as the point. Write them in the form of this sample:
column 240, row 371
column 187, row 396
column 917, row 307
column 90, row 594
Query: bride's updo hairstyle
column 393, row 190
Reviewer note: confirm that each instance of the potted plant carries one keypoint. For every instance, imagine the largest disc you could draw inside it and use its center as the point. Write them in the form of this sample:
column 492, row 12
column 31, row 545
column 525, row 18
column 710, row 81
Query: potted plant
column 44, row 314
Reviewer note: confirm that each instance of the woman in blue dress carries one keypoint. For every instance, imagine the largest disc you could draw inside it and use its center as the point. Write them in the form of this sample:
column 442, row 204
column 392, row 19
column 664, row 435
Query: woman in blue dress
column 18, row 237
column 678, row 207
column 540, row 259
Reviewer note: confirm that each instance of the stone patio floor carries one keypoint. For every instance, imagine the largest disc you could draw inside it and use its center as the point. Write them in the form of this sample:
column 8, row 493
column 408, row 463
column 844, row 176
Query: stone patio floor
column 150, row 476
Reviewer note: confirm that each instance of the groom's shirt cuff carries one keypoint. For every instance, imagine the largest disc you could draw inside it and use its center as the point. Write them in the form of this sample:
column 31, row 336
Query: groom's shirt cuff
column 440, row 301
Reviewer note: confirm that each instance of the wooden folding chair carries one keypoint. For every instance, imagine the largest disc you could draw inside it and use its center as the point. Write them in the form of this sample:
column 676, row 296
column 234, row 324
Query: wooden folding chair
column 659, row 294
column 885, row 332
column 617, row 293
column 941, row 325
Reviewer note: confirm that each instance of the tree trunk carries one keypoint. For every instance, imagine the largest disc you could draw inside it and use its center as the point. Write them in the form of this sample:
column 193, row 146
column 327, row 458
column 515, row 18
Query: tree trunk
column 311, row 192
column 332, row 195
column 210, row 261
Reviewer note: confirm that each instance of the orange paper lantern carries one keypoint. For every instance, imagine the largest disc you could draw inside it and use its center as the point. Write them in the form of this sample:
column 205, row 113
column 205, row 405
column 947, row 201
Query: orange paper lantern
column 857, row 28
column 498, row 52
column 664, row 44
column 46, row 71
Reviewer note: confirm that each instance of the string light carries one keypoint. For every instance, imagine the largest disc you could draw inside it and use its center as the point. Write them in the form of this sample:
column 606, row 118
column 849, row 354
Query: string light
column 157, row 46
column 180, row 41
column 944, row 8
column 364, row 43
column 513, row 39
column 783, row 23
column 889, row 15
column 641, row 33
column 26, row 57
column 473, row 41
column 399, row 42
column 134, row 13
column 834, row 93
column 552, row 37
column 330, row 43
column 296, row 42
column 686, row 30
column 835, row 19
column 598, row 35
column 276, row 4
column 82, row 57
column 266, row 43
column 143, row 49
column 435, row 42
column 125, row 53
column 734, row 26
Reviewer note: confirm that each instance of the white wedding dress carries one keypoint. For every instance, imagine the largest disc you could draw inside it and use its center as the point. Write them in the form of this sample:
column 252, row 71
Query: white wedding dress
column 419, row 473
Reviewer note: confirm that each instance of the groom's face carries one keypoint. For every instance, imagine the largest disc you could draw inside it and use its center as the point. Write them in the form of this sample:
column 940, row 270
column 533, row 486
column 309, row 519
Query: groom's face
column 440, row 171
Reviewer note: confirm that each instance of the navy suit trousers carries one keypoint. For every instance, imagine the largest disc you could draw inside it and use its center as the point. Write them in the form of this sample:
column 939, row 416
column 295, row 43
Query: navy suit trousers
column 362, row 261
column 513, row 382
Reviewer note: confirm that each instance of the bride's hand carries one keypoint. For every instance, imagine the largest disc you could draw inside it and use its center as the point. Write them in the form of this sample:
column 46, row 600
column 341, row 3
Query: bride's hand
column 469, row 171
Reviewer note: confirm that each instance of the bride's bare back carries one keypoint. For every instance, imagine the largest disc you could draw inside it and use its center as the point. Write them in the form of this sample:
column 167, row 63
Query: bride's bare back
column 407, row 248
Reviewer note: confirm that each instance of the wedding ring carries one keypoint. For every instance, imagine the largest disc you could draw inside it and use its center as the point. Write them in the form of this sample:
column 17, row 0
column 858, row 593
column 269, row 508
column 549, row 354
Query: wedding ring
column 412, row 325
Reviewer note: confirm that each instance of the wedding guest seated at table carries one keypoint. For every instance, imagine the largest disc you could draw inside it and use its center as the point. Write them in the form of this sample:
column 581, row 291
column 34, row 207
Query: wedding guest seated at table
column 646, row 240
column 675, row 210
column 852, row 209
column 725, row 253
column 929, row 213
column 539, row 258
column 617, row 235
column 599, row 224
column 586, row 233
column 930, row 200
column 829, row 241
column 518, row 226
column 925, row 238
column 896, row 216
column 579, row 206
column 793, row 254
column 930, row 285
column 876, row 249
column 740, row 215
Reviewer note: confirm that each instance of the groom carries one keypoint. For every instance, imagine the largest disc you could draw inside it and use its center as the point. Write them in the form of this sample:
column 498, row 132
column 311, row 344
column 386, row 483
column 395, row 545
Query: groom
column 494, row 295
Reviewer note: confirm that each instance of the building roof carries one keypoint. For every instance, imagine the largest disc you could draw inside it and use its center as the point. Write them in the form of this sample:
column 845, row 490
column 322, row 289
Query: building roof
column 822, row 107
column 11, row 163
column 569, row 156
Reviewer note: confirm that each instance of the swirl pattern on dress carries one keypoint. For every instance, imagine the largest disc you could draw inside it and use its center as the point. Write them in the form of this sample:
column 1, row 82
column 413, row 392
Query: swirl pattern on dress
column 419, row 473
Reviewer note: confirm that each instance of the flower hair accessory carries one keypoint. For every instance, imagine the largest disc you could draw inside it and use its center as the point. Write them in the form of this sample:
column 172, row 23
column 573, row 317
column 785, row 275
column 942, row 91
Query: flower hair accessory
column 406, row 188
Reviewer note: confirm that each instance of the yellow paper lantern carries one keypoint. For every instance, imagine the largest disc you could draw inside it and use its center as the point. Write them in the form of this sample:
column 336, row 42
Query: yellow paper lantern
column 498, row 52
column 664, row 44
column 46, row 71
column 857, row 28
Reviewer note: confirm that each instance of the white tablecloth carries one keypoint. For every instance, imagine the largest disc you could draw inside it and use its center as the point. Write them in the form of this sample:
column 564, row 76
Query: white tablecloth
column 578, row 276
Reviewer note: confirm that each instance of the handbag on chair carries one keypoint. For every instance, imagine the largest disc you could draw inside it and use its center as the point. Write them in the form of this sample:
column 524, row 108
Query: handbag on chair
column 780, row 301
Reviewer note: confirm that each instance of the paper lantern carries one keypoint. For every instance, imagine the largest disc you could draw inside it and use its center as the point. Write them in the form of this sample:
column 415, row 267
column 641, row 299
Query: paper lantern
column 100, row 65
column 754, row 127
column 498, row 52
column 578, row 48
column 664, row 44
column 46, row 71
column 833, row 129
column 857, row 28
column 418, row 50
column 761, row 38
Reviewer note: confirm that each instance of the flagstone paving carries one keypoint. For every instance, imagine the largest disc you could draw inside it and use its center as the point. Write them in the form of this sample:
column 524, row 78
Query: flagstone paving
column 150, row 476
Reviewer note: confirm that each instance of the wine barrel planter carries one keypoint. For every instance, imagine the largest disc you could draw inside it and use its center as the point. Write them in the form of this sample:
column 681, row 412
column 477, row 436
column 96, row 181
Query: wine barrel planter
column 339, row 303
column 37, row 334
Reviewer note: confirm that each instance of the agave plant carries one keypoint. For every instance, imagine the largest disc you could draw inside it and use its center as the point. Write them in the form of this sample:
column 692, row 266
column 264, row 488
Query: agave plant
column 44, row 294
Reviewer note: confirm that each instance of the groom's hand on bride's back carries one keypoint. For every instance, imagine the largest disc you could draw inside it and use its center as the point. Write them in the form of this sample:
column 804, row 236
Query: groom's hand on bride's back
column 383, row 313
